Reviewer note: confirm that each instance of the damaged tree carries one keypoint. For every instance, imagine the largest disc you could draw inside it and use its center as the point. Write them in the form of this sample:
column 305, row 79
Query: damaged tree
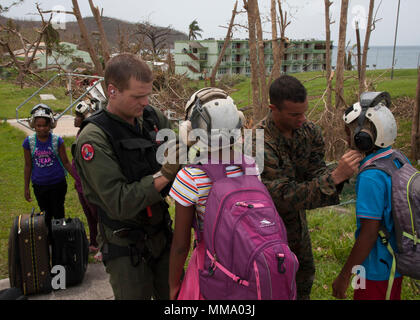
column 415, row 128
column 278, row 44
column 341, row 55
column 261, row 112
column 363, row 86
column 256, row 101
column 328, row 72
column 85, row 36
column 256, row 57
column 9, row 33
column 104, row 42
column 225, row 44
column 156, row 39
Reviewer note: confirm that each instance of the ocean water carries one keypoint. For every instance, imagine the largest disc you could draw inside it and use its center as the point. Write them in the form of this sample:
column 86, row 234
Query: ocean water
column 380, row 57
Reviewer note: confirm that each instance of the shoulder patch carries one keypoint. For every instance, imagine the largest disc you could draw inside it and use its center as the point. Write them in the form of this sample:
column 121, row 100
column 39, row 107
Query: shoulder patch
column 87, row 152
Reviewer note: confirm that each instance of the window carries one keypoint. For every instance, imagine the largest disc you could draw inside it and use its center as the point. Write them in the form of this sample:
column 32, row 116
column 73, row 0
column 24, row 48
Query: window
column 320, row 46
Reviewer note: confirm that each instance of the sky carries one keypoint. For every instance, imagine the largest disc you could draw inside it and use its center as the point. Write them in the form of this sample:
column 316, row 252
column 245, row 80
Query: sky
column 213, row 16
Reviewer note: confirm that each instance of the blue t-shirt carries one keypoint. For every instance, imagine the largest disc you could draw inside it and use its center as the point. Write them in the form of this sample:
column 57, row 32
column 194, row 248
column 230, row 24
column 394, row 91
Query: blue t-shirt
column 46, row 168
column 374, row 194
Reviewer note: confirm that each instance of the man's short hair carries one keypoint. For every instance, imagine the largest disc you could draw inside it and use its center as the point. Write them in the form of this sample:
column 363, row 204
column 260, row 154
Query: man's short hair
column 124, row 66
column 286, row 88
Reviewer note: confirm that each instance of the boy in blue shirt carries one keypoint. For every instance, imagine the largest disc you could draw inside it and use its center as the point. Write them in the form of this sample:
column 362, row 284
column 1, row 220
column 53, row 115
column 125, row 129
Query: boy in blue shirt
column 371, row 129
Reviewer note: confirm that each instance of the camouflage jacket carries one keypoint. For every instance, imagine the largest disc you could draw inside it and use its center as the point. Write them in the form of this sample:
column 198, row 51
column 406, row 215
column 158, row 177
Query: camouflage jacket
column 295, row 172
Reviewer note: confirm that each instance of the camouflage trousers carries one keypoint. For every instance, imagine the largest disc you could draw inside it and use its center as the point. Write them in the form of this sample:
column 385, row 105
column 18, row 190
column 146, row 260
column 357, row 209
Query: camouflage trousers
column 300, row 243
column 141, row 282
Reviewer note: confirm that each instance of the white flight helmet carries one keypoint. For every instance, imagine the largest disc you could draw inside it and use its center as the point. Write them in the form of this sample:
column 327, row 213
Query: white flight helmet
column 41, row 110
column 212, row 110
column 373, row 106
column 82, row 108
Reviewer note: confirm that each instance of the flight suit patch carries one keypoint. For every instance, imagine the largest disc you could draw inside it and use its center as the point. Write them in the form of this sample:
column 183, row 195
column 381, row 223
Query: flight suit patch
column 87, row 152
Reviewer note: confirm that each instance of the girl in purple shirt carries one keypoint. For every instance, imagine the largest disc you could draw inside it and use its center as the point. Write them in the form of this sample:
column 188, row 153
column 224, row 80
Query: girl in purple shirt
column 45, row 164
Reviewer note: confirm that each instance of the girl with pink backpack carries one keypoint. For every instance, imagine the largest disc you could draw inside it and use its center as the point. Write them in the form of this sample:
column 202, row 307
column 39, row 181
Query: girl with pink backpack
column 240, row 247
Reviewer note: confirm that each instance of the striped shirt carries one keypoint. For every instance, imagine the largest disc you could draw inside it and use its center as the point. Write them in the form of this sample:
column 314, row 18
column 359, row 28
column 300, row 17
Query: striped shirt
column 192, row 186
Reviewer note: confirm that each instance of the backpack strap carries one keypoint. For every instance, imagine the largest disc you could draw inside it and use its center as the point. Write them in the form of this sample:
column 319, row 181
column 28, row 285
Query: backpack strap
column 32, row 144
column 54, row 142
column 216, row 264
column 385, row 236
column 387, row 165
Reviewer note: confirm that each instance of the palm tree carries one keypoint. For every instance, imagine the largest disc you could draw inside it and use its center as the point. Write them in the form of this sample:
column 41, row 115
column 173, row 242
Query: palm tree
column 194, row 30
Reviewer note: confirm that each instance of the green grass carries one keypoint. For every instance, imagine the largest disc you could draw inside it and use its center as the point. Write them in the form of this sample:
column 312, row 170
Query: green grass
column 332, row 234
column 332, row 231
column 12, row 96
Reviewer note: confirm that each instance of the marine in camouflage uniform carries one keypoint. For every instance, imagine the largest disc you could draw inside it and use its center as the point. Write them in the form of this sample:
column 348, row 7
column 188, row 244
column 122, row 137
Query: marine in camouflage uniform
column 298, row 179
column 295, row 172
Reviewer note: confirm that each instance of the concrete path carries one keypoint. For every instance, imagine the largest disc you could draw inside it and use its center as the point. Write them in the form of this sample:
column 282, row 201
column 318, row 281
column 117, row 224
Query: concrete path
column 95, row 286
column 65, row 126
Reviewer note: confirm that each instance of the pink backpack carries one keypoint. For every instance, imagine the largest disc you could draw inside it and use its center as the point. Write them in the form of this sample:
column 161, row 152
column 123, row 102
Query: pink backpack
column 246, row 251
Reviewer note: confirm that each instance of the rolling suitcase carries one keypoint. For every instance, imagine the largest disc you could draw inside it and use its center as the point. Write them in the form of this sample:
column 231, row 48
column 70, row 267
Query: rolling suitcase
column 70, row 248
column 28, row 254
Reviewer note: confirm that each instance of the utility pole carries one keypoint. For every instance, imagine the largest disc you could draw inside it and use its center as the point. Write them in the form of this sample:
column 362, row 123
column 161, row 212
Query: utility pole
column 395, row 41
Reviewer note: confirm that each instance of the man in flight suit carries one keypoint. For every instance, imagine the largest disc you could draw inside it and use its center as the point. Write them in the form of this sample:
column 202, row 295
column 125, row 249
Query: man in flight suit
column 115, row 156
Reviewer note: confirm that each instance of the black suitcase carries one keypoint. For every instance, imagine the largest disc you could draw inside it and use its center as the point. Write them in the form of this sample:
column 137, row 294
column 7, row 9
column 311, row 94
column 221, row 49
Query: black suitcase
column 70, row 248
column 28, row 254
column 12, row 294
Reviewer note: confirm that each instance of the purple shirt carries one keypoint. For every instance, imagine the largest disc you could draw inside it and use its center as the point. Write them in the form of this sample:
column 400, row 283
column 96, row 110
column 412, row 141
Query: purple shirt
column 46, row 168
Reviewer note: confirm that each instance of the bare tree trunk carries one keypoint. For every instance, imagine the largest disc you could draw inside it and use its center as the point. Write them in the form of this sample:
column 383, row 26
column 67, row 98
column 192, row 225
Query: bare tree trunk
column 262, row 110
column 415, row 130
column 341, row 55
column 104, row 41
column 369, row 28
column 359, row 58
column 256, row 101
column 171, row 63
column 225, row 44
column 328, row 4
column 84, row 33
column 278, row 45
column 283, row 25
column 275, row 44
